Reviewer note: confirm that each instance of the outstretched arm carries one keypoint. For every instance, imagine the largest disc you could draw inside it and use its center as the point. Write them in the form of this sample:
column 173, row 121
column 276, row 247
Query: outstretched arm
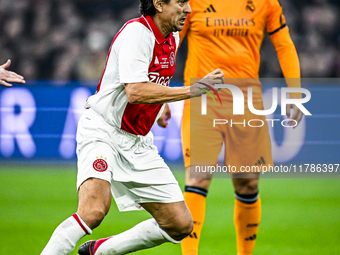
column 153, row 93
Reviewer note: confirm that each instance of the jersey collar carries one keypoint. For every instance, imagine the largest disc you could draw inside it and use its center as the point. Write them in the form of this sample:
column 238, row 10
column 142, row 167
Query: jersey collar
column 158, row 35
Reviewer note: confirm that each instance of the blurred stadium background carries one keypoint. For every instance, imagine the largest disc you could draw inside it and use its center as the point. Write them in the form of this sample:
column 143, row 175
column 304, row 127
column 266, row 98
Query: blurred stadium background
column 60, row 48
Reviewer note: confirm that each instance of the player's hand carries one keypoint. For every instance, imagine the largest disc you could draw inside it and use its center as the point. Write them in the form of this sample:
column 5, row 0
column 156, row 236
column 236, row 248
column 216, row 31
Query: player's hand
column 217, row 76
column 7, row 76
column 296, row 115
column 166, row 115
column 207, row 83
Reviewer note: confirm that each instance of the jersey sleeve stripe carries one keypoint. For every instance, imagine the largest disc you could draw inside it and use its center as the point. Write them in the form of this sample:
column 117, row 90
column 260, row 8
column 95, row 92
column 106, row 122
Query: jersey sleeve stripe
column 277, row 30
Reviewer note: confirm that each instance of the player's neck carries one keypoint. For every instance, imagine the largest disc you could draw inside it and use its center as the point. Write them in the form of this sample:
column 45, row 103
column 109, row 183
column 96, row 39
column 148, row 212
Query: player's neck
column 164, row 28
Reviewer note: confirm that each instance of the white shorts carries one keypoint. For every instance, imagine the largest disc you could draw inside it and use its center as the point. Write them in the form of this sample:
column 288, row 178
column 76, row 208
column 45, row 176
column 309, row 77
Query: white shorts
column 130, row 163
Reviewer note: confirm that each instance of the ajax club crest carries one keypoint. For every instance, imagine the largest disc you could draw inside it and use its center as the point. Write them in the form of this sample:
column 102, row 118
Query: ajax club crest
column 100, row 165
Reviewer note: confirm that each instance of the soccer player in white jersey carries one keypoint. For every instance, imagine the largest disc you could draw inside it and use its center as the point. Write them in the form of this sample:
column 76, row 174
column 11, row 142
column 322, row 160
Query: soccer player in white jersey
column 115, row 150
column 6, row 77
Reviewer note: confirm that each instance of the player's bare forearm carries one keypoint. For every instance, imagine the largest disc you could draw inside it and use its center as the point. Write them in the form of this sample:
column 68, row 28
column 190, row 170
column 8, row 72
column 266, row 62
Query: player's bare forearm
column 153, row 93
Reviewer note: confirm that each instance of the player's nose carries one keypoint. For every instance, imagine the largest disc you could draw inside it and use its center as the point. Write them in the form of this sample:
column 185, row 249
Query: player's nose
column 187, row 8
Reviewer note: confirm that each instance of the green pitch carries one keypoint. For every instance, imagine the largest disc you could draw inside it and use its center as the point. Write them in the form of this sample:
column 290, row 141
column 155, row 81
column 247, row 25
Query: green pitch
column 299, row 216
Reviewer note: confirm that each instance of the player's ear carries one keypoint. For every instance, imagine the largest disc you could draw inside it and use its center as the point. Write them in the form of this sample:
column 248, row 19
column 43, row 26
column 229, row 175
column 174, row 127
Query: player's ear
column 158, row 5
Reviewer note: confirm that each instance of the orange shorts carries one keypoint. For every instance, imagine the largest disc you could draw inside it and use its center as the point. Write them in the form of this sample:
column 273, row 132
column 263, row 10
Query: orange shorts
column 246, row 137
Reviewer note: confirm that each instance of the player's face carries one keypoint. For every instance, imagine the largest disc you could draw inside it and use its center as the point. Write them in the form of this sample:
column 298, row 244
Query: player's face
column 174, row 14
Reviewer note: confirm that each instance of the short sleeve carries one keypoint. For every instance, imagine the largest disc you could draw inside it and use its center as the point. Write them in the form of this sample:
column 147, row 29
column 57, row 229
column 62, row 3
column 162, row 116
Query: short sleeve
column 135, row 53
column 275, row 18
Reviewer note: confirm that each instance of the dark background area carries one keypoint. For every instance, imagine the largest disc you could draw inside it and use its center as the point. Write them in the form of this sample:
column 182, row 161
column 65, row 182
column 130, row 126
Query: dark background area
column 66, row 40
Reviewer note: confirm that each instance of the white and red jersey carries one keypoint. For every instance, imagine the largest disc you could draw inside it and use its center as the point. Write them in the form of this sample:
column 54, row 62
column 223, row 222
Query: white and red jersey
column 138, row 53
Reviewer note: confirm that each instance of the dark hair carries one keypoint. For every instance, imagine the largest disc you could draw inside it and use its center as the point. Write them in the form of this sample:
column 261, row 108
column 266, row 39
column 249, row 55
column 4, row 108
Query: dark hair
column 146, row 7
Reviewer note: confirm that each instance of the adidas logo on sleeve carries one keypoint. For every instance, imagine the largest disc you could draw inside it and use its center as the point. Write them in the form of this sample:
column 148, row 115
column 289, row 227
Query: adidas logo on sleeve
column 210, row 9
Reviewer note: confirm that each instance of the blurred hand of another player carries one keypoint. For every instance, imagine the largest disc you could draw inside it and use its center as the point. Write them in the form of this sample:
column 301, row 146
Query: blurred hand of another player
column 207, row 83
column 7, row 76
column 293, row 112
column 166, row 115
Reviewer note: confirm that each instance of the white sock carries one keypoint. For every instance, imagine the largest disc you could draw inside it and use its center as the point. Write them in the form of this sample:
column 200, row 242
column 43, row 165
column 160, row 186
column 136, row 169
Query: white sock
column 66, row 236
column 144, row 235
